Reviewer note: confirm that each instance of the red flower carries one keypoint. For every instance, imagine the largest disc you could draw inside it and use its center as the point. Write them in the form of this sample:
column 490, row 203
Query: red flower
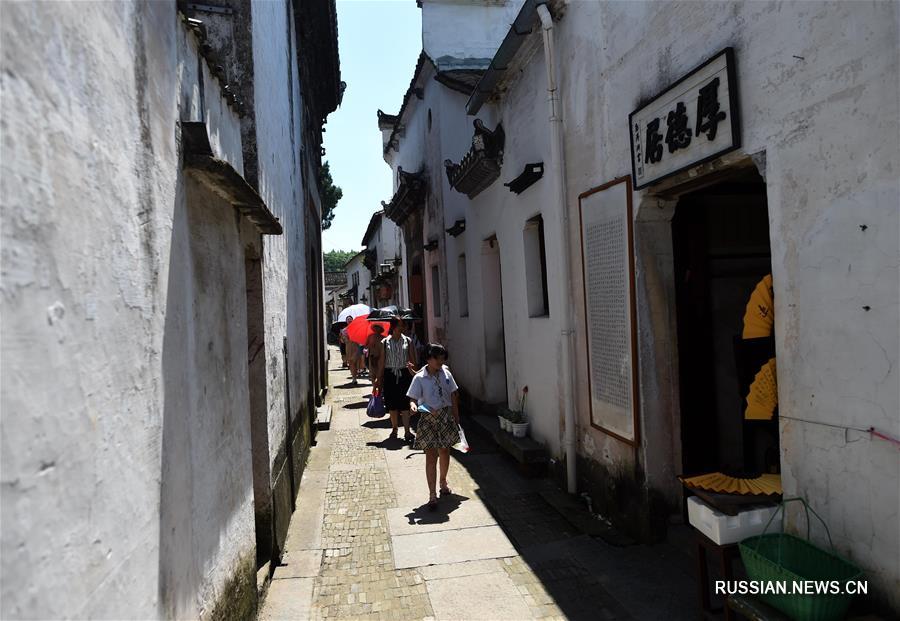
column 525, row 390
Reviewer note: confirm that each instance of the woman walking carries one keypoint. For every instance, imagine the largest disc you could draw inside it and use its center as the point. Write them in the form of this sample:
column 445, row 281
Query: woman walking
column 350, row 351
column 376, row 352
column 396, row 368
column 434, row 394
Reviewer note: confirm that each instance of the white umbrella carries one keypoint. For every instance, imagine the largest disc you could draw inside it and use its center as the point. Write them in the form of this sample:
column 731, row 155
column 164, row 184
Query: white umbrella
column 354, row 311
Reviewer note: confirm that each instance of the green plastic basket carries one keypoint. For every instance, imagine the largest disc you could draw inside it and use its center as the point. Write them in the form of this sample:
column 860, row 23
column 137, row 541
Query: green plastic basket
column 784, row 557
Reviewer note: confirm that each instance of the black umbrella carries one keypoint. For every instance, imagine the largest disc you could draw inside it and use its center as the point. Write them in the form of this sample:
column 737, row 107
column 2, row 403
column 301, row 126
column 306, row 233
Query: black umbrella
column 406, row 314
column 384, row 314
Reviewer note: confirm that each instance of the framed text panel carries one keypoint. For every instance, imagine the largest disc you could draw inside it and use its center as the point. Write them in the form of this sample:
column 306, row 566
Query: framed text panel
column 607, row 257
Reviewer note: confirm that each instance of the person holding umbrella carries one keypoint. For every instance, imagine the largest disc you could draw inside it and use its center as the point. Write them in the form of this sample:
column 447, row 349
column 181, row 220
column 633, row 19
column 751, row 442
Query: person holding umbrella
column 409, row 330
column 395, row 371
column 351, row 350
column 376, row 353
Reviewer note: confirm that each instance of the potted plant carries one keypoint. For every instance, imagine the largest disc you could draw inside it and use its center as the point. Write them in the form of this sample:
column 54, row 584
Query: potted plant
column 519, row 424
column 507, row 420
column 519, row 420
column 501, row 418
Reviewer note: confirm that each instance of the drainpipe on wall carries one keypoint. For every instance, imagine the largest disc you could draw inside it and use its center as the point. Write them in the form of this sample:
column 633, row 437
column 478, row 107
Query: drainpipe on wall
column 558, row 169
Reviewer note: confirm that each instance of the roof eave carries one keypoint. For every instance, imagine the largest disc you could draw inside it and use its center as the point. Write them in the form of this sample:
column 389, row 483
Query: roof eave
column 521, row 28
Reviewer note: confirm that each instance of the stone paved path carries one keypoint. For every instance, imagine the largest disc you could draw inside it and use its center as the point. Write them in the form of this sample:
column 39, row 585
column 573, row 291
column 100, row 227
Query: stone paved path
column 362, row 546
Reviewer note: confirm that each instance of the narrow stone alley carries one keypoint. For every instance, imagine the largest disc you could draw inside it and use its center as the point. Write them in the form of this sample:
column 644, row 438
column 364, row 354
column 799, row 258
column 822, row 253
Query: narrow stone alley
column 361, row 543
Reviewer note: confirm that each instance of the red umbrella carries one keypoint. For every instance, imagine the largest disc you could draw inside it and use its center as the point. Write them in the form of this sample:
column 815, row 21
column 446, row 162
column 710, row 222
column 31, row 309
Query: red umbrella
column 361, row 328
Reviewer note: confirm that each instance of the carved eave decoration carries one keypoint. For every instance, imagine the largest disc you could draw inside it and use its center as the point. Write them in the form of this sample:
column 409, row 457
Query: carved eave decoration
column 221, row 178
column 387, row 121
column 213, row 63
column 457, row 229
column 529, row 177
column 480, row 167
column 431, row 245
column 410, row 195
column 386, row 277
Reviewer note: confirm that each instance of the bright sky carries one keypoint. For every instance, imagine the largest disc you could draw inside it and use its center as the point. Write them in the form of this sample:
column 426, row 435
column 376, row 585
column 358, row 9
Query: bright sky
column 379, row 43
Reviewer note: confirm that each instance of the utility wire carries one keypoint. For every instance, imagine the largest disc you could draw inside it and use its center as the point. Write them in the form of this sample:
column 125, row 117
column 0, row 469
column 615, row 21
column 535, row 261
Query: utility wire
column 871, row 430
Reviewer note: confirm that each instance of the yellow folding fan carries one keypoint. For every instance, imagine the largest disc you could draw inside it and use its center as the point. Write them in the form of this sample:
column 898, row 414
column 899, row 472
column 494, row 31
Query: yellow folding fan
column 759, row 317
column 763, row 397
column 763, row 485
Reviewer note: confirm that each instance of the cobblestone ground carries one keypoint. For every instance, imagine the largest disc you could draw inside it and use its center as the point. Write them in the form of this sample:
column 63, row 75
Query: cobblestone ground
column 362, row 546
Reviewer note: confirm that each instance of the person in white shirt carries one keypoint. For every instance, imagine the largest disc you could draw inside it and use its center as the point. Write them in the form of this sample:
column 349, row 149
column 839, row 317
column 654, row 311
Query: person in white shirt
column 434, row 394
column 395, row 370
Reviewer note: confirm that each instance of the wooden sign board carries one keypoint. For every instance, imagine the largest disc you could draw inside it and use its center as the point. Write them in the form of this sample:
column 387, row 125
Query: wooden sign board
column 691, row 122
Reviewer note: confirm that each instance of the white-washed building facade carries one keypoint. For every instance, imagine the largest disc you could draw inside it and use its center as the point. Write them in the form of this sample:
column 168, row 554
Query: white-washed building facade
column 790, row 170
column 163, row 346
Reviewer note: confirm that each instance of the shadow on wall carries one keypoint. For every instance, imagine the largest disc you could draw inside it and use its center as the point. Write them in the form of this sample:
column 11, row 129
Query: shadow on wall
column 205, row 499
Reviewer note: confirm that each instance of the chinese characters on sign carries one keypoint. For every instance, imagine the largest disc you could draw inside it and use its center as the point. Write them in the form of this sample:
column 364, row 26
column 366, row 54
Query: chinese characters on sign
column 692, row 121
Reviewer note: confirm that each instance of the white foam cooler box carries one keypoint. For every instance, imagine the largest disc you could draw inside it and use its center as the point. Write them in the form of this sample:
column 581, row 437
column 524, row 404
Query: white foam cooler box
column 725, row 529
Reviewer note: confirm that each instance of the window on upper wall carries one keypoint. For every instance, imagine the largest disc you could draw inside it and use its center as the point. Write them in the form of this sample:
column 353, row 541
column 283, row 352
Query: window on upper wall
column 436, row 290
column 536, row 268
column 463, row 286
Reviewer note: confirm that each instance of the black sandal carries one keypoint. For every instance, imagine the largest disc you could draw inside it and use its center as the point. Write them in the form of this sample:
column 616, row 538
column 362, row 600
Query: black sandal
column 433, row 504
column 446, row 491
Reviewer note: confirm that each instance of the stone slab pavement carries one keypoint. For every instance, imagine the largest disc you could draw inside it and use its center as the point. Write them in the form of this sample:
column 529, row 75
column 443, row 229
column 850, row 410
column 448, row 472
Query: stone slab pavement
column 362, row 545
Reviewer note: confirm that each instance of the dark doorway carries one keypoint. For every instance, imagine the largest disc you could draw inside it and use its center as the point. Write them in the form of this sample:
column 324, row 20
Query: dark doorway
column 417, row 298
column 495, row 386
column 721, row 251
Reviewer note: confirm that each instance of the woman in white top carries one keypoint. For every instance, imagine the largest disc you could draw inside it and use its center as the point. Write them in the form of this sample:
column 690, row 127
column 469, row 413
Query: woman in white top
column 434, row 394
column 395, row 370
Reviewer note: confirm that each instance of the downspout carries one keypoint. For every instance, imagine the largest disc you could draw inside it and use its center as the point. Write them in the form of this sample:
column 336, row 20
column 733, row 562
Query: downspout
column 558, row 168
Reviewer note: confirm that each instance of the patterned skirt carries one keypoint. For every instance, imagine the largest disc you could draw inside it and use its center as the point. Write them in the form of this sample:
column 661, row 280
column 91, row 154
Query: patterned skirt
column 436, row 430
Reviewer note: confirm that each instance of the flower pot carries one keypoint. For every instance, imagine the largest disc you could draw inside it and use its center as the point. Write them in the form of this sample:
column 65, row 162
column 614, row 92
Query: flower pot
column 502, row 421
column 507, row 425
column 519, row 429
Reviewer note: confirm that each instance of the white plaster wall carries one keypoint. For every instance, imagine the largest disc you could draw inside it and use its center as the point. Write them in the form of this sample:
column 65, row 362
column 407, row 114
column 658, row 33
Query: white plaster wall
column 206, row 512
column 277, row 109
column 389, row 243
column 533, row 351
column 818, row 94
column 484, row 22
column 355, row 266
column 94, row 214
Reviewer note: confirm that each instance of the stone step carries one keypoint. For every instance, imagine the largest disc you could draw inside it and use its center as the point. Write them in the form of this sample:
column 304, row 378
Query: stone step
column 323, row 417
column 524, row 450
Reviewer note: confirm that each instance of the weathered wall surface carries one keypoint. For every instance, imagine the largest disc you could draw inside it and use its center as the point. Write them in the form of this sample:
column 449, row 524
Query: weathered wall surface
column 84, row 270
column 206, row 515
column 484, row 24
column 278, row 114
column 818, row 87
column 125, row 437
